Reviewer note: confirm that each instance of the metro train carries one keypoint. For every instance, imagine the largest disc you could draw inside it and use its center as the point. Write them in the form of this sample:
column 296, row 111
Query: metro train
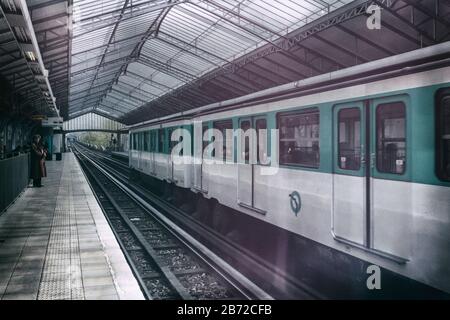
column 362, row 161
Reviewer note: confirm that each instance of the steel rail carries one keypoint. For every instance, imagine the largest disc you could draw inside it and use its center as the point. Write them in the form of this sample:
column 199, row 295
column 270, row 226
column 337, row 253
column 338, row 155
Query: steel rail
column 233, row 277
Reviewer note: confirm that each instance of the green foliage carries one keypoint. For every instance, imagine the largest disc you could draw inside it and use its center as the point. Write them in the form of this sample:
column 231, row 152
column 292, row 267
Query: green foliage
column 96, row 138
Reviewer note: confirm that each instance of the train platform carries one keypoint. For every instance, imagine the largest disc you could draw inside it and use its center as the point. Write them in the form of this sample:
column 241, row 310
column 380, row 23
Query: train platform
column 55, row 243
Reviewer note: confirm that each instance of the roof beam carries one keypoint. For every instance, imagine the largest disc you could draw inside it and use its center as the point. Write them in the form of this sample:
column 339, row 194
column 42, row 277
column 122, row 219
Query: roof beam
column 110, row 40
column 152, row 30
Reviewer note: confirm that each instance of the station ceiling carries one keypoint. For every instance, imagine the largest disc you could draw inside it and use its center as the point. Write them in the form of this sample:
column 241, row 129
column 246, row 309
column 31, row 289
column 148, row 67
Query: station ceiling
column 134, row 60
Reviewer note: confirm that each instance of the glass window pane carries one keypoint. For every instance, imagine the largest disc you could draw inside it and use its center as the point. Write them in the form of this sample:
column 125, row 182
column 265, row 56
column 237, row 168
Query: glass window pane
column 137, row 141
column 245, row 140
column 444, row 134
column 204, row 143
column 161, row 141
column 223, row 126
column 146, row 141
column 152, row 141
column 261, row 124
column 299, row 139
column 391, row 138
column 349, row 135
column 172, row 143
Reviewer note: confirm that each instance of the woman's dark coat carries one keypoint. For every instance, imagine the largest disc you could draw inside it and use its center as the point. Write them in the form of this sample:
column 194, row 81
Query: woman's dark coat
column 38, row 169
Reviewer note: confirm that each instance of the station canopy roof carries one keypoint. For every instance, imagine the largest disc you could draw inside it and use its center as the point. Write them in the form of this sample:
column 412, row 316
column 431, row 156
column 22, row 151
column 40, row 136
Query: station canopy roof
column 28, row 85
column 134, row 60
column 126, row 54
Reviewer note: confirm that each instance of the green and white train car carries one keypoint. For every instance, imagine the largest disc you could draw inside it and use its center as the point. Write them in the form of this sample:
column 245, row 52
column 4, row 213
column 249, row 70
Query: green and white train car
column 361, row 162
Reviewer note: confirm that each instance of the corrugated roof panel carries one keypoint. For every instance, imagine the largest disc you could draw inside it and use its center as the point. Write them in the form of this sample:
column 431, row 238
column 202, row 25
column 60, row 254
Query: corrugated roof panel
column 193, row 38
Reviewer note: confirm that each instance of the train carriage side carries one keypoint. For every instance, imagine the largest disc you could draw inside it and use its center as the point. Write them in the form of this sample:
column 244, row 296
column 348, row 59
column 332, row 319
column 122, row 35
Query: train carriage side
column 151, row 153
column 361, row 169
column 364, row 170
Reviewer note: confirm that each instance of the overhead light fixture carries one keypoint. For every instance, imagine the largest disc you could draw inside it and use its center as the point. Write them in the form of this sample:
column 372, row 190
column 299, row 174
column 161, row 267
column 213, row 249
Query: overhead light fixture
column 30, row 56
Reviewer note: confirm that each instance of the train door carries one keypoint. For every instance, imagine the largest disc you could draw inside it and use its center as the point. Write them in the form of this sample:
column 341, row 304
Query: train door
column 140, row 148
column 247, row 165
column 371, row 196
column 160, row 161
column 171, row 145
column 146, row 152
column 390, row 184
column 349, row 180
column 153, row 147
column 200, row 181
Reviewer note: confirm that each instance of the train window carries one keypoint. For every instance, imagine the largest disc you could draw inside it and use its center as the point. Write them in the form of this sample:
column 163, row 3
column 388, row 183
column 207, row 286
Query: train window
column 151, row 146
column 246, row 125
column 161, row 140
column 261, row 124
column 349, row 135
column 141, row 141
column 299, row 138
column 134, row 141
column 223, row 126
column 147, row 141
column 204, row 142
column 391, row 138
column 155, row 141
column 443, row 134
column 171, row 143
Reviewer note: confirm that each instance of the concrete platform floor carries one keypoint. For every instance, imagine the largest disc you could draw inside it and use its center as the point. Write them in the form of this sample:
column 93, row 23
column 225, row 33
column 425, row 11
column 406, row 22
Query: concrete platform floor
column 55, row 243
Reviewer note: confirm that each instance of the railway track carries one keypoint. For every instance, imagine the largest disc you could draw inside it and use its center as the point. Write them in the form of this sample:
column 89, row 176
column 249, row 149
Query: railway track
column 274, row 280
column 168, row 263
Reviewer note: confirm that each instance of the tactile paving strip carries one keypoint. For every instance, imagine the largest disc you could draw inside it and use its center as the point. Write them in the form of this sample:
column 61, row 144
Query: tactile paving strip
column 61, row 277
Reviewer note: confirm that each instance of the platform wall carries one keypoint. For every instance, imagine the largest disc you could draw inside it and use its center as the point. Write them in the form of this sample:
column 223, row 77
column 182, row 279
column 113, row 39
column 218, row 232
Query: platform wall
column 14, row 177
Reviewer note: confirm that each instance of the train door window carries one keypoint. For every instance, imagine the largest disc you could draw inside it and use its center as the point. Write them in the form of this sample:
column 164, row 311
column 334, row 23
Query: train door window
column 141, row 141
column 161, row 139
column 155, row 141
column 151, row 147
column 261, row 124
column 134, row 136
column 349, row 135
column 146, row 141
column 299, row 138
column 391, row 138
column 246, row 125
column 443, row 134
column 227, row 141
column 172, row 143
column 205, row 142
column 169, row 137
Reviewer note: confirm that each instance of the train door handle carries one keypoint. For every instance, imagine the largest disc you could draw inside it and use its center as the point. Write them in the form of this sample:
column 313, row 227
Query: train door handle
column 363, row 159
column 372, row 160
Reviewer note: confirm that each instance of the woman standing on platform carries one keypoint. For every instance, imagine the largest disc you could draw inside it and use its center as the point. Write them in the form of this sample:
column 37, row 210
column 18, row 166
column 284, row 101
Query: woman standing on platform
column 38, row 154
